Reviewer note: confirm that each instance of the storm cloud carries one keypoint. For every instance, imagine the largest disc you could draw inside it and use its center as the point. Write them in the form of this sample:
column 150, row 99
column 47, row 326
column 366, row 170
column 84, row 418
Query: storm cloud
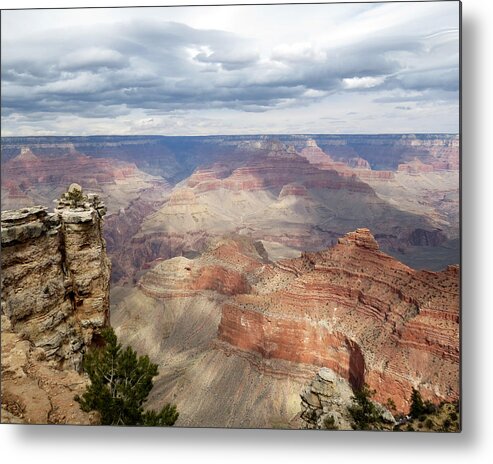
column 142, row 67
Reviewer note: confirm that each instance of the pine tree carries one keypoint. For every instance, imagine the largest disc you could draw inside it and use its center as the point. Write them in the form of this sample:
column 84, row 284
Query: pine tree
column 120, row 384
column 364, row 413
column 417, row 405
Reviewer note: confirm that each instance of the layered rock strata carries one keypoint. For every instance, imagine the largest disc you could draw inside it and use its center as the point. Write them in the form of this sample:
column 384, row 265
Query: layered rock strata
column 55, row 276
column 232, row 317
column 301, row 201
column 359, row 312
column 29, row 179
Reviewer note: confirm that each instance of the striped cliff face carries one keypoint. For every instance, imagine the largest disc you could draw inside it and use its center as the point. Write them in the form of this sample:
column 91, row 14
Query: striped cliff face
column 359, row 312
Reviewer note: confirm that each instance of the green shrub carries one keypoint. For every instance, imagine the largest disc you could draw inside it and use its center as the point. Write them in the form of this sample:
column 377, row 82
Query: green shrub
column 120, row 383
column 418, row 408
column 364, row 413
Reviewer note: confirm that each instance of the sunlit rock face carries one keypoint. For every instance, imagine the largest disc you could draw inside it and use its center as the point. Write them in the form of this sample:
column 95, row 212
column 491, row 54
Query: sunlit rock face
column 55, row 275
column 361, row 313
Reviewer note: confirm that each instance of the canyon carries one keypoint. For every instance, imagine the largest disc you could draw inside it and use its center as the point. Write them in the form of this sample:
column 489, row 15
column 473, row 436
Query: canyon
column 169, row 196
column 231, row 327
column 242, row 265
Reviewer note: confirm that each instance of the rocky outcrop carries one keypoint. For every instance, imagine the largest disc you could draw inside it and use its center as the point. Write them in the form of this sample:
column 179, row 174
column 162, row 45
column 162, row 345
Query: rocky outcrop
column 55, row 275
column 325, row 402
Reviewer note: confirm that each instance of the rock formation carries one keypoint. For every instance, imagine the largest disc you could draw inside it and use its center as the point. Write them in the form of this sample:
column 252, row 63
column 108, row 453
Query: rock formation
column 34, row 389
column 359, row 312
column 33, row 179
column 55, row 275
column 55, row 300
column 325, row 402
column 274, row 194
column 251, row 185
column 326, row 397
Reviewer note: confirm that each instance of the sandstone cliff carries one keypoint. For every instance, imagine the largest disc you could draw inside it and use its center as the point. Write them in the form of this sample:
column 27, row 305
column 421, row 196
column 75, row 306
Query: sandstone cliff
column 55, row 289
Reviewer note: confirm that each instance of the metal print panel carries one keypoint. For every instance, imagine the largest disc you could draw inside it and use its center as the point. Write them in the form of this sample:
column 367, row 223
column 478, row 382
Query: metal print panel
column 232, row 216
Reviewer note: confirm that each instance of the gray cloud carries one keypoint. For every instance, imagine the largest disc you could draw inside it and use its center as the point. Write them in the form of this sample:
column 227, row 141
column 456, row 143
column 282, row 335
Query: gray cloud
column 162, row 67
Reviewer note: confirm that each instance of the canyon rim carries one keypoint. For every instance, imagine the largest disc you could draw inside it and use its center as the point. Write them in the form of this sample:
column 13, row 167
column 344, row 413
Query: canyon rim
column 263, row 200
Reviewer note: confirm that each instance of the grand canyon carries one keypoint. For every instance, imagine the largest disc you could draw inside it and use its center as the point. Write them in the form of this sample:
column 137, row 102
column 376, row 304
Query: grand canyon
column 256, row 271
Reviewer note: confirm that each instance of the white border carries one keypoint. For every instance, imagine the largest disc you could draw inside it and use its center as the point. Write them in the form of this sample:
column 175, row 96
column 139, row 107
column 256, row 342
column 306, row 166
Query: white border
column 49, row 444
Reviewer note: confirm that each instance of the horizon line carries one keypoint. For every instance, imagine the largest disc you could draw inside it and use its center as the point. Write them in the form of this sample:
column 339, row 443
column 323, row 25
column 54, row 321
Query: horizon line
column 238, row 135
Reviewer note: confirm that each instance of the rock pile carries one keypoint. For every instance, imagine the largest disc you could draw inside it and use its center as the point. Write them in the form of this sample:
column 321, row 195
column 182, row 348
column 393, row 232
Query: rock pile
column 325, row 402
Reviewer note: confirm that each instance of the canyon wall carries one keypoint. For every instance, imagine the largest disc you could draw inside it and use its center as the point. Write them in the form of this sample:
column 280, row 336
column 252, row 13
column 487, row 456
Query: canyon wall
column 359, row 312
column 285, row 189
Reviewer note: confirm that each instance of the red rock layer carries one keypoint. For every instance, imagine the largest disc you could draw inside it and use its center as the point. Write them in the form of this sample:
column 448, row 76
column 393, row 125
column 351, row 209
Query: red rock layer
column 355, row 166
column 301, row 341
column 274, row 167
column 27, row 170
column 360, row 312
column 224, row 269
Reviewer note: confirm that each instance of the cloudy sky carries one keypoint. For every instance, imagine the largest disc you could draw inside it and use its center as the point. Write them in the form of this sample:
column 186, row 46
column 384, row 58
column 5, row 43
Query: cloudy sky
column 340, row 68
